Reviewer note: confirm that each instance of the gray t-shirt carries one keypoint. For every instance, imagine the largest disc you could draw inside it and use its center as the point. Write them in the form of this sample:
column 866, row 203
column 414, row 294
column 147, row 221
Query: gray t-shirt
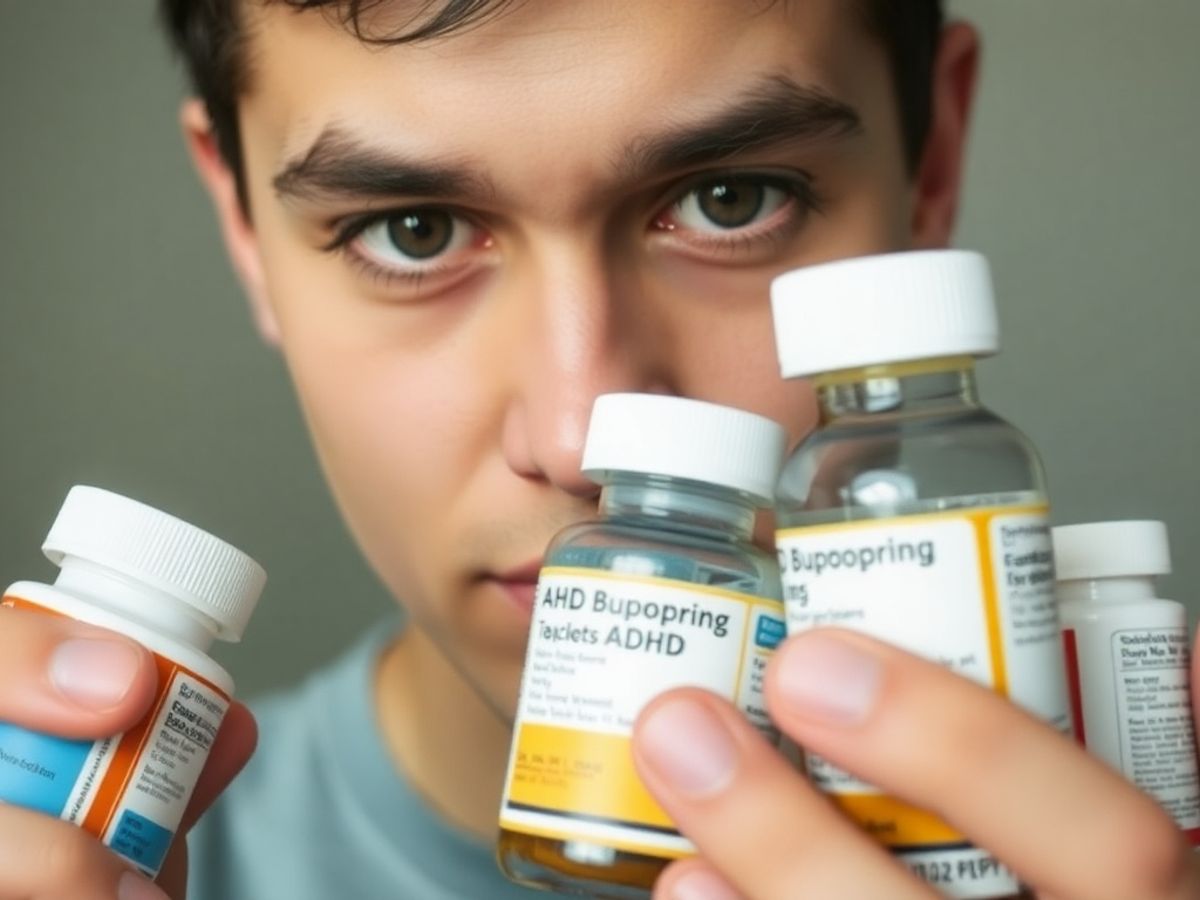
column 321, row 813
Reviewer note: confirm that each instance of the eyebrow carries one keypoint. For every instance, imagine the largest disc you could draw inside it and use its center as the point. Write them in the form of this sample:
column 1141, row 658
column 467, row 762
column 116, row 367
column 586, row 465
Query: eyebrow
column 775, row 111
column 339, row 164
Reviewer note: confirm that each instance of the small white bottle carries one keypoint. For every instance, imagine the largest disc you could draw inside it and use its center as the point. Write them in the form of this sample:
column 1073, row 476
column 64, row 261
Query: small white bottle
column 172, row 588
column 1127, row 660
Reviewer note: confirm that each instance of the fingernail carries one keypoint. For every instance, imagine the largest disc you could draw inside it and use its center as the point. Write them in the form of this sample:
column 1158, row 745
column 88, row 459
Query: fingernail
column 133, row 886
column 702, row 885
column 826, row 678
column 688, row 747
column 94, row 673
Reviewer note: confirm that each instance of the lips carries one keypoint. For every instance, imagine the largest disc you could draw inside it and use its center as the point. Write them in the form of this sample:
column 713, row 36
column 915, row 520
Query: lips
column 519, row 584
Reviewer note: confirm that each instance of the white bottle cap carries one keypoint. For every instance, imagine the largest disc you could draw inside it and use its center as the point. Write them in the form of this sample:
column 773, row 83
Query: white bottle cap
column 892, row 308
column 1110, row 550
column 654, row 434
column 161, row 551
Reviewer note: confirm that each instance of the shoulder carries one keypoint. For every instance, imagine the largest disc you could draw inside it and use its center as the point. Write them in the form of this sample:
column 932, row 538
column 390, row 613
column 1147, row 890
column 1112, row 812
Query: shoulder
column 266, row 835
column 266, row 811
column 321, row 810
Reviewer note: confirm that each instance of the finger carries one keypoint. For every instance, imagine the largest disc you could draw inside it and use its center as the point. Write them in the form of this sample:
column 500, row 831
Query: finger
column 1195, row 684
column 235, row 743
column 231, row 751
column 749, row 812
column 693, row 879
column 46, row 859
column 1068, row 824
column 63, row 677
column 172, row 877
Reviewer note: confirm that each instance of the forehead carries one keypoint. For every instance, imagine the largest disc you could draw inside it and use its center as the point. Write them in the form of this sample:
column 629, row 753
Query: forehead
column 560, row 84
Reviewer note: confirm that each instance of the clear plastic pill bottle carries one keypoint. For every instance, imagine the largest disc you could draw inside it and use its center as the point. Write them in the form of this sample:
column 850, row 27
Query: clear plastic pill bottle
column 172, row 588
column 1128, row 665
column 913, row 513
column 663, row 589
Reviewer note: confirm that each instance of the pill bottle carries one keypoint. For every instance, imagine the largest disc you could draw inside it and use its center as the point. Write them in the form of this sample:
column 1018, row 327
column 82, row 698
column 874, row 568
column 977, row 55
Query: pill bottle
column 1128, row 669
column 663, row 589
column 172, row 588
column 912, row 513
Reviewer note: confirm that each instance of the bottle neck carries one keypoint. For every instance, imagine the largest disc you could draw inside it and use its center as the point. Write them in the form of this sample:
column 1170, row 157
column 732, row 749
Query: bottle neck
column 1107, row 590
column 131, row 599
column 924, row 386
column 676, row 503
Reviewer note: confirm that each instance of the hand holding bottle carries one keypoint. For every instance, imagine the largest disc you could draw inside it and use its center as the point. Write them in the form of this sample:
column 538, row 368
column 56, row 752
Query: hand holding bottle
column 114, row 722
column 66, row 678
column 1067, row 825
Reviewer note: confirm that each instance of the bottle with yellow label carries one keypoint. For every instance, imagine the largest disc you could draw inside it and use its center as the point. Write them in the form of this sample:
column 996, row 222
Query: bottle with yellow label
column 664, row 589
column 913, row 514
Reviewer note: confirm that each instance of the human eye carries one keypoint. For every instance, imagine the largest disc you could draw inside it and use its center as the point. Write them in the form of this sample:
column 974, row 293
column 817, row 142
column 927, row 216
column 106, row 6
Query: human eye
column 411, row 244
column 738, row 214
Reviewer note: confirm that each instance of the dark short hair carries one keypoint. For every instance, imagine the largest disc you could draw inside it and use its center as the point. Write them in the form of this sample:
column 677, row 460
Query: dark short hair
column 208, row 35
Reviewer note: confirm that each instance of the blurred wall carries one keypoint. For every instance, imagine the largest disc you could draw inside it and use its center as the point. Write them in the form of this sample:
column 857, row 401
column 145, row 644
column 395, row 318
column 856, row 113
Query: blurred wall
column 1081, row 188
column 127, row 358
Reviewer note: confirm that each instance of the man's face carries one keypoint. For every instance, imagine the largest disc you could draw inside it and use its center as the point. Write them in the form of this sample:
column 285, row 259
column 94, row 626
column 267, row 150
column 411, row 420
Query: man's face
column 464, row 242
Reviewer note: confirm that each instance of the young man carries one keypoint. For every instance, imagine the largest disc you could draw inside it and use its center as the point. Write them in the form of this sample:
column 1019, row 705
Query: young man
column 460, row 222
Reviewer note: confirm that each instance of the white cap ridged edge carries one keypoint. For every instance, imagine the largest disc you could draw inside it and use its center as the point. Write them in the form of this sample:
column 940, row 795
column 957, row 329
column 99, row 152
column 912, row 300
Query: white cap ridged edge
column 159, row 550
column 889, row 308
column 656, row 434
column 1111, row 550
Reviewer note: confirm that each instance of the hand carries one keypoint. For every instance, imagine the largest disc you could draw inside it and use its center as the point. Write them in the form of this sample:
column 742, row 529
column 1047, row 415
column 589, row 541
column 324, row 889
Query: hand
column 65, row 678
column 1071, row 828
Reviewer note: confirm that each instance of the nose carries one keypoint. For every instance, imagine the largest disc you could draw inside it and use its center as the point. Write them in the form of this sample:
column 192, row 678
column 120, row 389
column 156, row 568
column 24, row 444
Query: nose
column 587, row 331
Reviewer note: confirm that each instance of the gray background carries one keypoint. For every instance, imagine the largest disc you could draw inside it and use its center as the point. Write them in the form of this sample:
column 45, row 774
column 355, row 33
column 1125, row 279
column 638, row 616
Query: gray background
column 127, row 358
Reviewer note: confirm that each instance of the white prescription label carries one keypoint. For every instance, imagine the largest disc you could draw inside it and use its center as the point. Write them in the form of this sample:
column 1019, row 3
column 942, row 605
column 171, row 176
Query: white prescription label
column 601, row 646
column 168, row 765
column 971, row 589
column 1154, row 718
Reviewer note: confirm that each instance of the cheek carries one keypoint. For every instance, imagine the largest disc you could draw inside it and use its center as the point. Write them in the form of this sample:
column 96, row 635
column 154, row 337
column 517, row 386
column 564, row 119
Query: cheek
column 392, row 426
column 741, row 369
column 875, row 221
column 375, row 422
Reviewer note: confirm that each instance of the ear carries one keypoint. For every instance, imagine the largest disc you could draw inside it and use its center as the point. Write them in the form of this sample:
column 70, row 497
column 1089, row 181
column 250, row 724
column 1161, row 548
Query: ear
column 939, row 174
column 240, row 241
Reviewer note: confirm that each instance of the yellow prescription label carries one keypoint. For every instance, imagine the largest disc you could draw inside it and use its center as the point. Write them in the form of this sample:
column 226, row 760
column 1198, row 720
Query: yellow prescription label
column 972, row 589
column 602, row 645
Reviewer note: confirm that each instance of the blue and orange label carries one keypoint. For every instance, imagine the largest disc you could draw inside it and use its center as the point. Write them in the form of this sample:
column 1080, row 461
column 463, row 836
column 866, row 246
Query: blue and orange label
column 129, row 790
